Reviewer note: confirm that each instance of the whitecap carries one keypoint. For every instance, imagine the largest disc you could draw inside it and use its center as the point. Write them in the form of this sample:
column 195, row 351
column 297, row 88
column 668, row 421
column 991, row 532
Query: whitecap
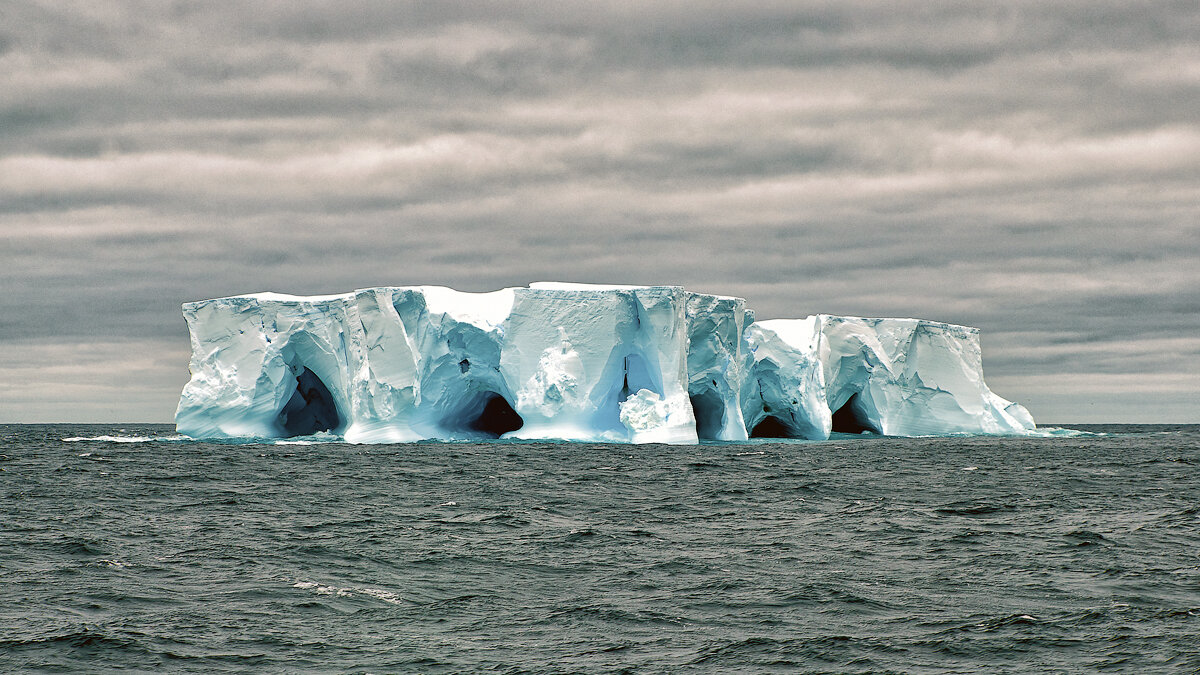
column 111, row 439
column 380, row 594
column 320, row 589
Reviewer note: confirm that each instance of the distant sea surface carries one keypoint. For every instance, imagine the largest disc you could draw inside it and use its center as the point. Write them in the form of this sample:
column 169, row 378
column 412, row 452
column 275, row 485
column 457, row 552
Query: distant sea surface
column 131, row 548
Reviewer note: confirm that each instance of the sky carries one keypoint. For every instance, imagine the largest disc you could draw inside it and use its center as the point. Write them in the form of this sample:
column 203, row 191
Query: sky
column 1029, row 168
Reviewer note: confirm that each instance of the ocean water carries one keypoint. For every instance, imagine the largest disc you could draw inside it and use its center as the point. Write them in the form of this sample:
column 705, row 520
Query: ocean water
column 129, row 548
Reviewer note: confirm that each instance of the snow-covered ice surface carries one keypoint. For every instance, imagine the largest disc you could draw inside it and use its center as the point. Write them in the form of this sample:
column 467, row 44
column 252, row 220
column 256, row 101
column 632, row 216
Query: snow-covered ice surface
column 577, row 362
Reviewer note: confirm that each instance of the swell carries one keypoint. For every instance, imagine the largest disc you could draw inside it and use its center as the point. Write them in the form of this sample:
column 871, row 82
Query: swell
column 1065, row 554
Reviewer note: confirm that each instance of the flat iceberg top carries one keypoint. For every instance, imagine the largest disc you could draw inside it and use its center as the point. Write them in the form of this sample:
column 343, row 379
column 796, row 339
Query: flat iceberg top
column 799, row 333
column 490, row 304
column 576, row 286
column 571, row 286
column 490, row 308
column 268, row 296
column 879, row 321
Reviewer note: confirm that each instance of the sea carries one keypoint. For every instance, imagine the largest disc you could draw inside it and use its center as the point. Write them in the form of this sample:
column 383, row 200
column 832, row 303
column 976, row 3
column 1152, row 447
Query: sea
column 130, row 548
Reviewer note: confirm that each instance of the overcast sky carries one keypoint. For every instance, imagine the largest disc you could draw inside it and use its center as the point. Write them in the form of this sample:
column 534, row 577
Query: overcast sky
column 1030, row 168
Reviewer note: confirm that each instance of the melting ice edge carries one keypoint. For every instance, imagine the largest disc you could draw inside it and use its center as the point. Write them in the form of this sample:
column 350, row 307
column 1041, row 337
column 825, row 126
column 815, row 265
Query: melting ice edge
column 578, row 362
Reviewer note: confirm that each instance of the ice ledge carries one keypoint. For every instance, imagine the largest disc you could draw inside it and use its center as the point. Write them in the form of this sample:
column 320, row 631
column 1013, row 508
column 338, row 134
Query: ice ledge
column 583, row 362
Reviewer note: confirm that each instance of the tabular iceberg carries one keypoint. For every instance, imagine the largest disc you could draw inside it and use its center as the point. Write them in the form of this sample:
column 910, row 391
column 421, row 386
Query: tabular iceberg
column 580, row 362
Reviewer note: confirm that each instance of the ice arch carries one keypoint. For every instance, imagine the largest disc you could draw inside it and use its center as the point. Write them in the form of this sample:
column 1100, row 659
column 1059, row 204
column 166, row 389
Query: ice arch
column 313, row 395
column 852, row 418
column 709, row 410
column 483, row 414
column 497, row 417
column 772, row 427
column 310, row 409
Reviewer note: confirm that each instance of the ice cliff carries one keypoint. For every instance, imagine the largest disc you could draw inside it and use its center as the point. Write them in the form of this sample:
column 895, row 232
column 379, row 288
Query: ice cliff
column 576, row 362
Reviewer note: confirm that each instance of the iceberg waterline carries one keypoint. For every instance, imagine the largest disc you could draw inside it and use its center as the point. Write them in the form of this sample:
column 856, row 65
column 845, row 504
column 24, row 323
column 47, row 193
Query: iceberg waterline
column 655, row 364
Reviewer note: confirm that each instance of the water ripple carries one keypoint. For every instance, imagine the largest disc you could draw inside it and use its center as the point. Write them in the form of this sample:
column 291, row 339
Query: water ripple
column 131, row 548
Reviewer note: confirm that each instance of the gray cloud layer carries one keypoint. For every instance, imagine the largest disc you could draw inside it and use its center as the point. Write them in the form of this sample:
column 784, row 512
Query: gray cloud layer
column 1031, row 168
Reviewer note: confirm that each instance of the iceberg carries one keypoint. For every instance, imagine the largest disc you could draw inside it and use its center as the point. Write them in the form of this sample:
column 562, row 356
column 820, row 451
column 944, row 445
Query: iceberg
column 575, row 362
column 895, row 377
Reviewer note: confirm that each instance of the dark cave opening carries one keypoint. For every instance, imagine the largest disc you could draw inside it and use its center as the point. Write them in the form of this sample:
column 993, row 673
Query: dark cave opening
column 771, row 427
column 310, row 409
column 849, row 418
column 497, row 418
column 710, row 414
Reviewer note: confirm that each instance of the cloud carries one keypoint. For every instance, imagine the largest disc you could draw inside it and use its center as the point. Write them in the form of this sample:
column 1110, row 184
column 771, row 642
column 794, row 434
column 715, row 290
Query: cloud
column 128, row 380
column 1029, row 168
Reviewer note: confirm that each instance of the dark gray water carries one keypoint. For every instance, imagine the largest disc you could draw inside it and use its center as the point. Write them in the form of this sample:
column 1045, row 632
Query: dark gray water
column 1069, row 554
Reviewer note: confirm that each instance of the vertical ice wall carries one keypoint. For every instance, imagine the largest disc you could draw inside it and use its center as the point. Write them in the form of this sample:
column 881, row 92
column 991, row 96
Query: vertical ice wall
column 600, row 363
column 269, row 365
column 431, row 365
column 787, row 384
column 718, row 364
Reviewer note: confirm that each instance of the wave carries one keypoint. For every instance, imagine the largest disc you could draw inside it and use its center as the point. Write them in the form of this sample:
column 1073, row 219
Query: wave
column 1063, row 432
column 348, row 592
column 315, row 439
column 128, row 439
